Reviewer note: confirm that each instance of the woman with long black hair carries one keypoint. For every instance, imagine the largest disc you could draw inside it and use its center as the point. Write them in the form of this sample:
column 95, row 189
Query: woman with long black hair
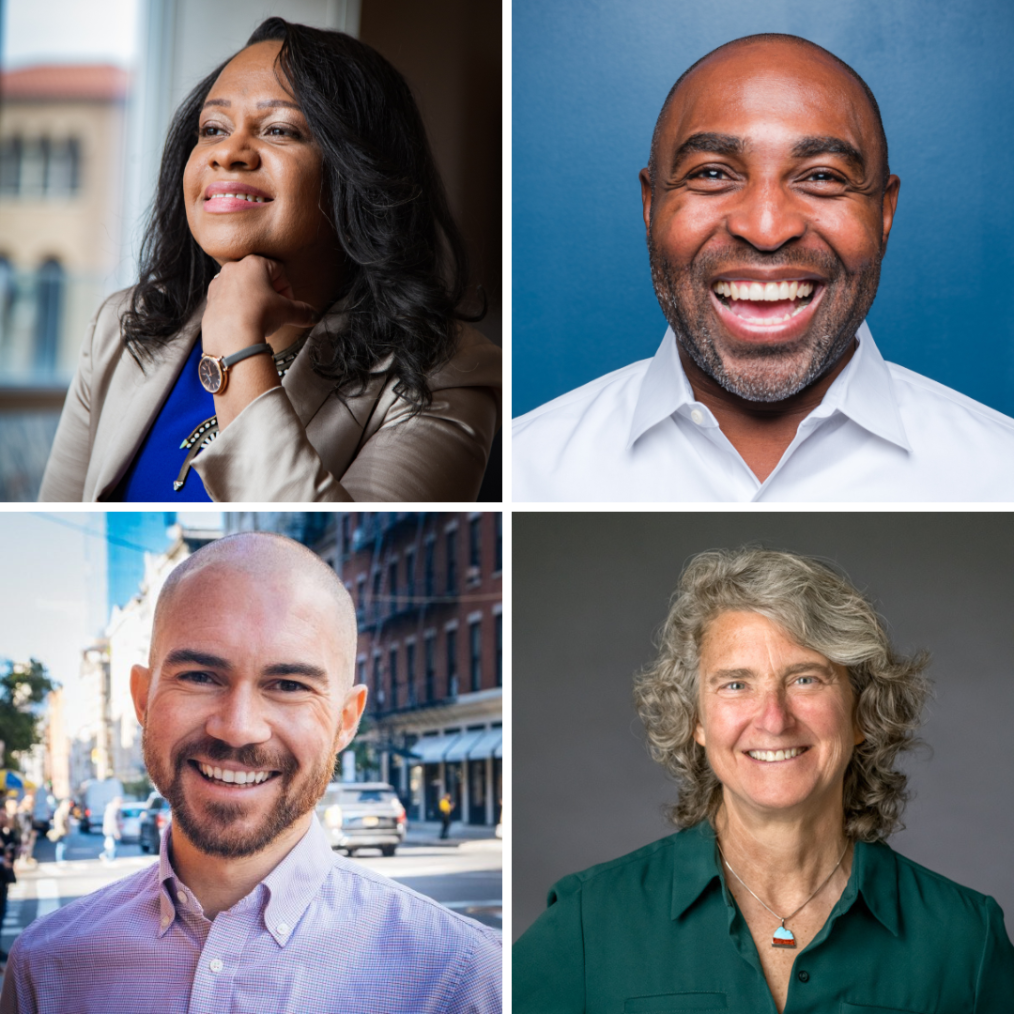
column 297, row 331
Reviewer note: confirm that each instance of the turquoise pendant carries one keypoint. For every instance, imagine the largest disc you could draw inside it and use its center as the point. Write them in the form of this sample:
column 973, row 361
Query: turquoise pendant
column 783, row 937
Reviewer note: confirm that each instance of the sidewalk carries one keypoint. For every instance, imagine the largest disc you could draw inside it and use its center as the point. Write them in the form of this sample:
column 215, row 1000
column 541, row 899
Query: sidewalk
column 421, row 832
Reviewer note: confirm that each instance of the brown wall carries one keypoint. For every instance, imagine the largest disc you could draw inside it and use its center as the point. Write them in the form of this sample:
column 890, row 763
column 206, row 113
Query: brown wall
column 449, row 52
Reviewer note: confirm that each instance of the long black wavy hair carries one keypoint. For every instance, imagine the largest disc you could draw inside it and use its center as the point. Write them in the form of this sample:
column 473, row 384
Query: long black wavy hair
column 406, row 272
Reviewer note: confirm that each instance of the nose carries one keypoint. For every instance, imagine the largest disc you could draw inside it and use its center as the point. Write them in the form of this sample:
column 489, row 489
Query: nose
column 234, row 151
column 774, row 716
column 766, row 217
column 240, row 720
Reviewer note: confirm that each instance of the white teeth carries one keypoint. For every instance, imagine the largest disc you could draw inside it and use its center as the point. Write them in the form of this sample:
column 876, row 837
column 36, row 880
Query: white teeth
column 234, row 777
column 242, row 197
column 775, row 755
column 770, row 292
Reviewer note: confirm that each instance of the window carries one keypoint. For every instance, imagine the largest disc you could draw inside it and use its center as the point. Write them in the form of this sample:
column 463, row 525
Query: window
column 452, row 663
column 430, row 674
column 392, row 587
column 377, row 578
column 361, row 597
column 47, row 318
column 475, row 654
column 499, row 649
column 361, row 671
column 499, row 541
column 378, row 686
column 474, row 542
column 410, row 671
column 10, row 165
column 40, row 167
column 346, row 534
column 410, row 575
column 428, row 572
column 392, row 665
column 452, row 561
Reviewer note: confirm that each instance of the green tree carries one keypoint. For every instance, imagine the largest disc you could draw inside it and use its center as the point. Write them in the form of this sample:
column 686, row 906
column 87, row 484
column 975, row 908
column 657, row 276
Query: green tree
column 21, row 685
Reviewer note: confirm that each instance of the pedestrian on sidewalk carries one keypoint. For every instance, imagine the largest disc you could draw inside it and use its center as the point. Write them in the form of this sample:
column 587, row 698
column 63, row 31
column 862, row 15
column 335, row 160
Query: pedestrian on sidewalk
column 111, row 827
column 61, row 828
column 445, row 805
column 8, row 850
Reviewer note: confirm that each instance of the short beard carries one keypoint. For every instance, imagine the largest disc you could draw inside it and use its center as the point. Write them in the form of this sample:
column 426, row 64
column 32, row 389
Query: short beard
column 220, row 833
column 763, row 372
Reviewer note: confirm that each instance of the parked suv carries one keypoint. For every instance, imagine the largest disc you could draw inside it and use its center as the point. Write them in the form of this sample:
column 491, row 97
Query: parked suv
column 361, row 815
column 154, row 820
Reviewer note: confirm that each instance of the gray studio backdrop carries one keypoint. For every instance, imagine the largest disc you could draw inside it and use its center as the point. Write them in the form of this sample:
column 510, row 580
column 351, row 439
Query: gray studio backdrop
column 590, row 592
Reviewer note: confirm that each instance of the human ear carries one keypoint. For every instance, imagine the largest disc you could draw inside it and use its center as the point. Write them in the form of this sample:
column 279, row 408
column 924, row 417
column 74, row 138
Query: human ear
column 645, row 177
column 140, row 681
column 352, row 711
column 890, row 205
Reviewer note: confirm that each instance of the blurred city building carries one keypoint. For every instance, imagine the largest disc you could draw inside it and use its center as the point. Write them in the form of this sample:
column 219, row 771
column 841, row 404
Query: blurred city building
column 89, row 749
column 61, row 184
column 427, row 588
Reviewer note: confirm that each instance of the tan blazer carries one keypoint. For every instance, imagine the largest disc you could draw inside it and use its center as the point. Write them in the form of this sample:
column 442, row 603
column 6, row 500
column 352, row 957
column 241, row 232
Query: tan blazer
column 295, row 443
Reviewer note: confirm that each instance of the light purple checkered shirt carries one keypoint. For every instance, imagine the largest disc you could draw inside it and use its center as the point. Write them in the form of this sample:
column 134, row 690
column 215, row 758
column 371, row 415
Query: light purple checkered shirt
column 319, row 934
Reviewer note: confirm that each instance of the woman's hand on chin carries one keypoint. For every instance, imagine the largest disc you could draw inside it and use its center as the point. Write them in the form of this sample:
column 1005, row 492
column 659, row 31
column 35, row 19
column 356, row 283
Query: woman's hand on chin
column 249, row 300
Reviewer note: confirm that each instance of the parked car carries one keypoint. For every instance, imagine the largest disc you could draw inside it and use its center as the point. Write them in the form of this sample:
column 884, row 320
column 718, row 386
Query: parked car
column 361, row 815
column 128, row 819
column 154, row 821
column 97, row 795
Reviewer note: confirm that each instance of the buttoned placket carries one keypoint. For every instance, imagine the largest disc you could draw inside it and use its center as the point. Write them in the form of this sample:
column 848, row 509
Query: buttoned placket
column 220, row 961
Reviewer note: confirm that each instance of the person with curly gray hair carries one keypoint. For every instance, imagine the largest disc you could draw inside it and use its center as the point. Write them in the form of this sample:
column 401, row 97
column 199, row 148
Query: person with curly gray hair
column 779, row 707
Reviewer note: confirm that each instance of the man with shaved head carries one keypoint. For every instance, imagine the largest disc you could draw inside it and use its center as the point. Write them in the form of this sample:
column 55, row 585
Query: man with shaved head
column 768, row 202
column 247, row 698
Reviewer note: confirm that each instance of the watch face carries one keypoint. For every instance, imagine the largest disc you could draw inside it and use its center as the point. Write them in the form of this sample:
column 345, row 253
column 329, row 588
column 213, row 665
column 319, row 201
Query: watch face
column 210, row 373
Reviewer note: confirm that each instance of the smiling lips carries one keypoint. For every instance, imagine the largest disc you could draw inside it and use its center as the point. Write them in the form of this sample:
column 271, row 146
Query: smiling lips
column 228, row 776
column 754, row 309
column 233, row 196
column 770, row 756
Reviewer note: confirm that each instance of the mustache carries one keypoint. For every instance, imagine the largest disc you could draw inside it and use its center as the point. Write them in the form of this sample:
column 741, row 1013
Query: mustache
column 712, row 262
column 250, row 756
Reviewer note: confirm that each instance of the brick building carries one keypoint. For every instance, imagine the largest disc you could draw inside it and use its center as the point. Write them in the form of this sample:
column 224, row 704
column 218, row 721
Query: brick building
column 427, row 591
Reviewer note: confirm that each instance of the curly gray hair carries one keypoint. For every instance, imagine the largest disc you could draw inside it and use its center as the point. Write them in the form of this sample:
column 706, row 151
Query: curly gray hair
column 820, row 609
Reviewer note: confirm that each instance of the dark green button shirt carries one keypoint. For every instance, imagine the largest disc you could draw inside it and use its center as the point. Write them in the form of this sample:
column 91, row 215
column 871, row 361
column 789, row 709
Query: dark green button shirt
column 658, row 931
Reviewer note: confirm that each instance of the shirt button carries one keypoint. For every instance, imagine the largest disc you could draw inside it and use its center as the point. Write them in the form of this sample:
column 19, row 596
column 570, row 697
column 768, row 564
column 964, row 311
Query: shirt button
column 803, row 975
column 697, row 415
column 215, row 964
column 283, row 929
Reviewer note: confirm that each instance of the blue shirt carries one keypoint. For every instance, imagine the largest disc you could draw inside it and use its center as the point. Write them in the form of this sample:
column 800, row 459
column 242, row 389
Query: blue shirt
column 319, row 935
column 160, row 457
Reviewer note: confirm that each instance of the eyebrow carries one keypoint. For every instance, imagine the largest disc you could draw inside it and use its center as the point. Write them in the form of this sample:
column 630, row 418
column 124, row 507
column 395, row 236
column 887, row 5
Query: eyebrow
column 187, row 656
column 266, row 104
column 793, row 670
column 706, row 141
column 806, row 147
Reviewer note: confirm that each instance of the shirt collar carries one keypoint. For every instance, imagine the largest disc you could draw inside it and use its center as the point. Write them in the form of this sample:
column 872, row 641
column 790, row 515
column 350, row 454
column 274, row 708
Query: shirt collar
column 290, row 886
column 863, row 391
column 874, row 875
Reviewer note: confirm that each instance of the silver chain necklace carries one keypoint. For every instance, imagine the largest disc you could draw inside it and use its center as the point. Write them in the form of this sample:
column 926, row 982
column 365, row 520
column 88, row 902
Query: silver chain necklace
column 783, row 936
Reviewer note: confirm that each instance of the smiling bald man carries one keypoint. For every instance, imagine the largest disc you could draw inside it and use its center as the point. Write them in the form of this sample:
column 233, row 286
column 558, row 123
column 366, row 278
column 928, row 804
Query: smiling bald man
column 247, row 698
column 768, row 202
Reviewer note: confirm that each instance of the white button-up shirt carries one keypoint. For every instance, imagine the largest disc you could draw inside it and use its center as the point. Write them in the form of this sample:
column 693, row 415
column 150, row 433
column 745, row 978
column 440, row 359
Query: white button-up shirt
column 881, row 433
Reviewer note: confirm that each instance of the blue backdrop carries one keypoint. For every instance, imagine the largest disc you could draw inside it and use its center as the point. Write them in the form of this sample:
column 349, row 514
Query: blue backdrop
column 588, row 81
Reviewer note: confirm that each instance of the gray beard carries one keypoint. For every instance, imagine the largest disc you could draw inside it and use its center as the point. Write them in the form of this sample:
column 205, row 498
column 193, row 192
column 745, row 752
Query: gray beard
column 763, row 373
